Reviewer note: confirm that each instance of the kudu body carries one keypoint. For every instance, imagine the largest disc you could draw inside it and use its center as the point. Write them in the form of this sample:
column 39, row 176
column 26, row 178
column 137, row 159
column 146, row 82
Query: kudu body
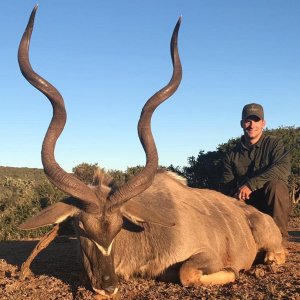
column 154, row 224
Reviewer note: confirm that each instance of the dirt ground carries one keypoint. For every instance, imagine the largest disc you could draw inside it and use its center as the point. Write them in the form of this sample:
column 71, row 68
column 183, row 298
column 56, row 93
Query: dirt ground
column 57, row 275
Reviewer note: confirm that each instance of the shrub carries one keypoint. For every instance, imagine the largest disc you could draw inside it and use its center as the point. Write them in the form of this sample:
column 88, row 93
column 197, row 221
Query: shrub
column 21, row 199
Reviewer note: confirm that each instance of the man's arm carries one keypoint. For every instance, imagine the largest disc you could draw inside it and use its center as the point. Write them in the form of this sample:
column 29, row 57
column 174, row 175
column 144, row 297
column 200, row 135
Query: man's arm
column 228, row 181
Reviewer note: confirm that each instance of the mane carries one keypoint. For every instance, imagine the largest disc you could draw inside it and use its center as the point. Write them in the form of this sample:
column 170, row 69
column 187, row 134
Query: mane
column 106, row 184
column 102, row 178
column 174, row 176
column 103, row 182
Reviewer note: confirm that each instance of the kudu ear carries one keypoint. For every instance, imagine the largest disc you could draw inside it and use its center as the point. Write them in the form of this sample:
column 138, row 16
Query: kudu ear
column 138, row 213
column 53, row 214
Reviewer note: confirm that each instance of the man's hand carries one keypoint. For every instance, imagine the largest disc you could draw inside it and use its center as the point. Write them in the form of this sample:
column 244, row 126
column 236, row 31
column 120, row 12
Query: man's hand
column 243, row 193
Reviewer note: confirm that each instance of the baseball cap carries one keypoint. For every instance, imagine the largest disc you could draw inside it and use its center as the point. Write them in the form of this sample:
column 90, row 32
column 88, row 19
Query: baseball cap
column 253, row 109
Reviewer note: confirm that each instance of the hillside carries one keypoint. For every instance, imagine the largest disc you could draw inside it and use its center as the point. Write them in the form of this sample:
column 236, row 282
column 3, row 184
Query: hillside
column 22, row 173
column 23, row 192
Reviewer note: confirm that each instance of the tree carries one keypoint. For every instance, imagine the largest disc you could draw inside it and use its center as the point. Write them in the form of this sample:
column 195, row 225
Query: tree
column 85, row 172
column 205, row 170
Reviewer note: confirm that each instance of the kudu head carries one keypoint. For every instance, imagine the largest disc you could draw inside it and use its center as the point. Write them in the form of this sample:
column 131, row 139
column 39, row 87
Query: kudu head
column 99, row 211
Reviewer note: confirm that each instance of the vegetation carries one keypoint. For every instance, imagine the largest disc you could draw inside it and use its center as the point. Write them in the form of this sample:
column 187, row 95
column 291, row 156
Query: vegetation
column 25, row 191
column 85, row 172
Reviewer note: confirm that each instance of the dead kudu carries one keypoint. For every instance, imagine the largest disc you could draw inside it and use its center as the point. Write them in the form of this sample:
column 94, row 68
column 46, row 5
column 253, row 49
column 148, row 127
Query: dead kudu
column 154, row 224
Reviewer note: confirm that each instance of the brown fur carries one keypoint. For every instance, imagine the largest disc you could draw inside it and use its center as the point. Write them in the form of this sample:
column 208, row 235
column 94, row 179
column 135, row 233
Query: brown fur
column 202, row 235
column 213, row 228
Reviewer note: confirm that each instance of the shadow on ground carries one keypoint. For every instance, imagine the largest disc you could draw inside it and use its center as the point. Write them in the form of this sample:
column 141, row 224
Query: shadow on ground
column 294, row 236
column 59, row 259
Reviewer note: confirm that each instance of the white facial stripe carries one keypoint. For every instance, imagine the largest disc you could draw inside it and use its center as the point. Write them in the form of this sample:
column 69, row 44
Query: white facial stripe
column 105, row 252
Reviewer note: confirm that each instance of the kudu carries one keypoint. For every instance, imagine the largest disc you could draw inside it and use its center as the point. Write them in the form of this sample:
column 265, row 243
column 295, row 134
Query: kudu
column 154, row 224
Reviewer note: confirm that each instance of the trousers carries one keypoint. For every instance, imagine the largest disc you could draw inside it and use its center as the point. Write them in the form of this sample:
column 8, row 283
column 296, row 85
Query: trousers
column 273, row 199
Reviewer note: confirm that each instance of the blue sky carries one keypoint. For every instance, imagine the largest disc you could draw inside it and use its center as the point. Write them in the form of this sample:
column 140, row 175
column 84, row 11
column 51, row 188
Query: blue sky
column 108, row 57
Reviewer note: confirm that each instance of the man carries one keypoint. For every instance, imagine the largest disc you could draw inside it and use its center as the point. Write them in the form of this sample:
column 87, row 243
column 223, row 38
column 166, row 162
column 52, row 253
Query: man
column 247, row 175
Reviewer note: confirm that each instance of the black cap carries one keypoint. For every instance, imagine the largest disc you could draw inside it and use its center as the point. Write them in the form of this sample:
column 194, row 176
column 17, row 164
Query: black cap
column 253, row 109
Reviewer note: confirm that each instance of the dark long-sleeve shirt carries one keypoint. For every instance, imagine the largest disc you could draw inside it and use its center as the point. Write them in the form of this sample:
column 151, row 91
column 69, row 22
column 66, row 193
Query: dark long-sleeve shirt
column 249, row 165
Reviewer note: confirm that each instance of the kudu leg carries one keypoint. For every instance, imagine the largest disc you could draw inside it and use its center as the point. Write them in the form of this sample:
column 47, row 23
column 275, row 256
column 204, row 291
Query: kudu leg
column 43, row 243
column 277, row 258
column 201, row 270
column 263, row 227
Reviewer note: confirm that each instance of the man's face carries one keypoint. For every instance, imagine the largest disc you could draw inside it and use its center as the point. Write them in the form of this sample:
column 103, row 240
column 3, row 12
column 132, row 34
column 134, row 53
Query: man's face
column 253, row 127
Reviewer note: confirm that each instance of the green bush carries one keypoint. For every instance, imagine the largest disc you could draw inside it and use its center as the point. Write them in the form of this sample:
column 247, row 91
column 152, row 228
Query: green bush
column 21, row 199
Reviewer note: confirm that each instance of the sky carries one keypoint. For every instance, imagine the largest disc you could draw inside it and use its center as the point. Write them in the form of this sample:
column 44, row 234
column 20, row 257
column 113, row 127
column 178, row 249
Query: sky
column 108, row 57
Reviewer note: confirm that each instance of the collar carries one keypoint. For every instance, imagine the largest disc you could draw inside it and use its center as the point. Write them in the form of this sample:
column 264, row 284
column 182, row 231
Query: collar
column 256, row 145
